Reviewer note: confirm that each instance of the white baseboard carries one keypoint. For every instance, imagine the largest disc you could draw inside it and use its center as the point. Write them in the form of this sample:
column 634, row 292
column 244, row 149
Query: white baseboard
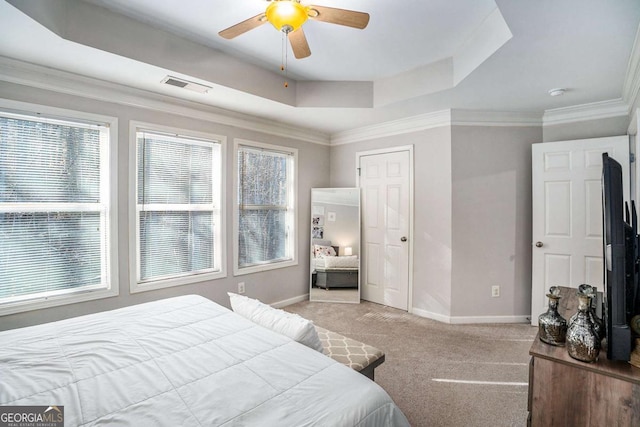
column 431, row 315
column 456, row 320
column 490, row 319
column 286, row 302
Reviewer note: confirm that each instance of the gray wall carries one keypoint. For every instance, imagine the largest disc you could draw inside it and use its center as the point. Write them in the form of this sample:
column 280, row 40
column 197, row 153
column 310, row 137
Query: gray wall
column 272, row 286
column 472, row 208
column 491, row 223
column 432, row 205
column 344, row 231
column 472, row 225
column 586, row 129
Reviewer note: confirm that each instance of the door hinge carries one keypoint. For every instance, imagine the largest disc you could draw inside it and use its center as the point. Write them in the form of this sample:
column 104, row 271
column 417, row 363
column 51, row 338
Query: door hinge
column 358, row 171
column 632, row 157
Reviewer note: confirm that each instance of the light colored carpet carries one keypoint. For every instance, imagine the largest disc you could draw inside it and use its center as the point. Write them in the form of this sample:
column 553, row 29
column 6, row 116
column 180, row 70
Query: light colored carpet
column 439, row 374
column 333, row 295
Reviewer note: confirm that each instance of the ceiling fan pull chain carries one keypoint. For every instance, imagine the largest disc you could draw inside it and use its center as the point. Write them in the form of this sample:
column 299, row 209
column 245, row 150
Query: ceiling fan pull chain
column 282, row 51
column 284, row 65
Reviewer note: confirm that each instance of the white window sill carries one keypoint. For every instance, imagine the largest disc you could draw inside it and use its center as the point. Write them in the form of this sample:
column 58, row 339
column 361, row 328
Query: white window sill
column 239, row 271
column 177, row 281
column 58, row 300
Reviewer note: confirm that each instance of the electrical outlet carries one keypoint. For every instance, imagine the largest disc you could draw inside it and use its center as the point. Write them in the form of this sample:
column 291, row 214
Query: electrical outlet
column 241, row 288
column 495, row 291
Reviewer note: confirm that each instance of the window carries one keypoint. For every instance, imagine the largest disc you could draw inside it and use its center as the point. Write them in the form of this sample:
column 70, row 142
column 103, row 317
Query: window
column 265, row 207
column 178, row 230
column 57, row 212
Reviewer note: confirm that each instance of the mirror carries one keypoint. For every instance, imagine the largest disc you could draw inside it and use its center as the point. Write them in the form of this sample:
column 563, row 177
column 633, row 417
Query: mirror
column 335, row 245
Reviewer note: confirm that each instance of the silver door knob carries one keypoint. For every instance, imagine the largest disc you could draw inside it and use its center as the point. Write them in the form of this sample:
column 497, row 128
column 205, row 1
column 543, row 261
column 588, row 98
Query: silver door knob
column 403, row 239
column 539, row 244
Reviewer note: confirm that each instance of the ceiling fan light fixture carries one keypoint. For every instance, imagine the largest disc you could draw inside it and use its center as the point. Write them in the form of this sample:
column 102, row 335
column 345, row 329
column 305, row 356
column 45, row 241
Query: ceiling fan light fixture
column 286, row 14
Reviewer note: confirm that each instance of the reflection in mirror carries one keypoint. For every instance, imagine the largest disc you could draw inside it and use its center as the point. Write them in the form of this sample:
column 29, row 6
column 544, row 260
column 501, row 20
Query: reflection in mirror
column 335, row 245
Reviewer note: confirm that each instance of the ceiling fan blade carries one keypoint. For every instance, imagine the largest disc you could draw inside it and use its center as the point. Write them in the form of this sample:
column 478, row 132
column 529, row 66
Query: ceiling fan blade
column 299, row 44
column 349, row 18
column 243, row 27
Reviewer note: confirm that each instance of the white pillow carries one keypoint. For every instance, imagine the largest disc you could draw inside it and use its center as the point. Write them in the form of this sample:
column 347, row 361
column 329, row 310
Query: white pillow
column 288, row 324
column 320, row 251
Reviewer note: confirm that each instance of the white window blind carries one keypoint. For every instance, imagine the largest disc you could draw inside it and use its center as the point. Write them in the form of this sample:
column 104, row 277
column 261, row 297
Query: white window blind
column 178, row 206
column 54, row 203
column 265, row 206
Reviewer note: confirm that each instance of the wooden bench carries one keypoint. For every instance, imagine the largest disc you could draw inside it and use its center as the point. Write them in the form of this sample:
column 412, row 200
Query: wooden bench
column 354, row 354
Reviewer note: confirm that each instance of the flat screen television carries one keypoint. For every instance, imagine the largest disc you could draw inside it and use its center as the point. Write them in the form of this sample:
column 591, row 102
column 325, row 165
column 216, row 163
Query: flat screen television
column 621, row 261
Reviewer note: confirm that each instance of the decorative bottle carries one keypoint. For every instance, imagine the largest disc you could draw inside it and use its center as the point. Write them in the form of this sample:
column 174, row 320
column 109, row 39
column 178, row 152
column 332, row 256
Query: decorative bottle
column 598, row 324
column 551, row 325
column 582, row 341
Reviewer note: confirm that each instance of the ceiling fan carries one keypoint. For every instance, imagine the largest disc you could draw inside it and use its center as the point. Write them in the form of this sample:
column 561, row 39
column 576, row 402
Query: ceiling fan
column 289, row 15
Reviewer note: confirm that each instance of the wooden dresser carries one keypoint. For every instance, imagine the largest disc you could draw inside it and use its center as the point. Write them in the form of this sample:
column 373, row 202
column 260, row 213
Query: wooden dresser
column 566, row 392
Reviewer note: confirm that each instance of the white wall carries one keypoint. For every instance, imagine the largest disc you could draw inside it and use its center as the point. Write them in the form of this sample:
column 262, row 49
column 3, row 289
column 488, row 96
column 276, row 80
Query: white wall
column 273, row 286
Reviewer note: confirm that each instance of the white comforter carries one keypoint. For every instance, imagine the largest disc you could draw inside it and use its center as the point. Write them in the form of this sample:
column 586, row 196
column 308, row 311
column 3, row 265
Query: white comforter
column 184, row 361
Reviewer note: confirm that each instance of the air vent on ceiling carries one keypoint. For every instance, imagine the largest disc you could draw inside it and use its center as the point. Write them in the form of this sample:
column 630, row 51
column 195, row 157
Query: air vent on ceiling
column 196, row 87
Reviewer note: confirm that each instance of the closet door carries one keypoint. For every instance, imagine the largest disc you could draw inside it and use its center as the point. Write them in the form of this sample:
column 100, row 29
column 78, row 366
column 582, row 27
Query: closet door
column 567, row 213
column 385, row 180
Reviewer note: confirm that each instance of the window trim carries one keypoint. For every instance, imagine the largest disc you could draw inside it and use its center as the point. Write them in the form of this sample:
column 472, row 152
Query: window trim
column 237, row 270
column 109, row 182
column 134, row 238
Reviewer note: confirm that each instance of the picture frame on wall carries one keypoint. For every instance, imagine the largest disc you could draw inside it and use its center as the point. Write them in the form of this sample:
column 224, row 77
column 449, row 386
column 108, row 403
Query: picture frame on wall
column 317, row 232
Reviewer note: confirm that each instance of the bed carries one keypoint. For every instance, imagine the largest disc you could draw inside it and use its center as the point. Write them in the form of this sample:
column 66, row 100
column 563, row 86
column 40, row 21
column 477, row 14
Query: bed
column 183, row 361
column 330, row 270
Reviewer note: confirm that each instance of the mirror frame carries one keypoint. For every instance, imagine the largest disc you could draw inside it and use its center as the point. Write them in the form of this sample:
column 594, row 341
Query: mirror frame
column 313, row 235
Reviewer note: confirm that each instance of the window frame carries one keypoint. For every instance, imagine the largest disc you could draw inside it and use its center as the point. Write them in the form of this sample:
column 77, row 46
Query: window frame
column 135, row 286
column 108, row 191
column 292, row 202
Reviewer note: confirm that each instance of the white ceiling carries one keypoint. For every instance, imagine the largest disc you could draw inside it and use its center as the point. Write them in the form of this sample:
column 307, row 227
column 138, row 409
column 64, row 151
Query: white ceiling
column 415, row 56
column 386, row 47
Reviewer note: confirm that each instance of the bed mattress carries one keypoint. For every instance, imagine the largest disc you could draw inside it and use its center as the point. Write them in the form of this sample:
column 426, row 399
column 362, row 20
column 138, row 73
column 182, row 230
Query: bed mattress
column 337, row 262
column 183, row 361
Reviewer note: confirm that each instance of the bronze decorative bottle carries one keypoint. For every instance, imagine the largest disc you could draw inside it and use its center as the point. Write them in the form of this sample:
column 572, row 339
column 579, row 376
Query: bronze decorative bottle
column 582, row 341
column 551, row 325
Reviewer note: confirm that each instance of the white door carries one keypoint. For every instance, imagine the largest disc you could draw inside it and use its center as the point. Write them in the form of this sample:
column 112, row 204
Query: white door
column 385, row 181
column 567, row 213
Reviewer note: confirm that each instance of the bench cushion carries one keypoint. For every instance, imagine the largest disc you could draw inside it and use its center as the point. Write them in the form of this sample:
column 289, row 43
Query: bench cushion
column 355, row 354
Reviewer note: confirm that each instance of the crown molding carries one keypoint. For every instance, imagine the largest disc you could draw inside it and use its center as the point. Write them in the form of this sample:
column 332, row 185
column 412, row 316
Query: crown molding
column 633, row 123
column 32, row 75
column 625, row 106
column 434, row 120
column 631, row 88
column 495, row 118
column 18, row 72
column 394, row 127
column 585, row 112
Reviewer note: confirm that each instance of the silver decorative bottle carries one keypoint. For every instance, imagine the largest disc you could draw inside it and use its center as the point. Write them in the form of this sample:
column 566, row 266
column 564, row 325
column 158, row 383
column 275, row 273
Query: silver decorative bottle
column 582, row 341
column 598, row 324
column 551, row 325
